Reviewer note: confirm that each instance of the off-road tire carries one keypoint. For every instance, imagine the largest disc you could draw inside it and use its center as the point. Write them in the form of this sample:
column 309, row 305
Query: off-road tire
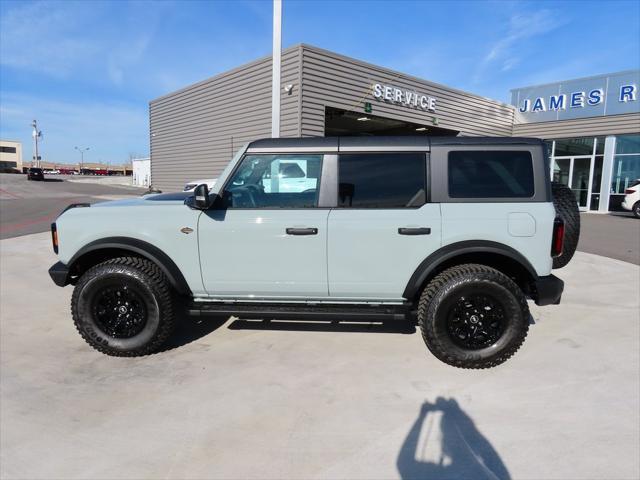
column 566, row 206
column 636, row 209
column 457, row 282
column 149, row 284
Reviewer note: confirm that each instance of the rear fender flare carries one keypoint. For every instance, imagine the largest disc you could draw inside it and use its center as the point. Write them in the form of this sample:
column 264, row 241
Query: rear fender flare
column 448, row 252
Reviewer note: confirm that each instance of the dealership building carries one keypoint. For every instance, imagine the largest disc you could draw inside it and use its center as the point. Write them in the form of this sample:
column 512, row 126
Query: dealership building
column 591, row 125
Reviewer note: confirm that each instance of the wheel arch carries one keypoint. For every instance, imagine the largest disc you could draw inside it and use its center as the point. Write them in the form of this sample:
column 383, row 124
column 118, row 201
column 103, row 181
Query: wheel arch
column 492, row 254
column 113, row 247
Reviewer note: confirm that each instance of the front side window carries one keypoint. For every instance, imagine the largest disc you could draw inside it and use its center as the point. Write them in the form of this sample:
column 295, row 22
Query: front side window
column 381, row 180
column 275, row 181
column 490, row 174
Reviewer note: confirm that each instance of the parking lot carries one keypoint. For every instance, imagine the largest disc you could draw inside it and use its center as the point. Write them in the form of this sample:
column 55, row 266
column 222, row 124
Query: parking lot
column 31, row 206
column 231, row 398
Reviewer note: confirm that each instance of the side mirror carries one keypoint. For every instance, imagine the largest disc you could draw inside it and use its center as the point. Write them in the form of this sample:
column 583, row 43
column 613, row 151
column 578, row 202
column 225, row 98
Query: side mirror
column 201, row 197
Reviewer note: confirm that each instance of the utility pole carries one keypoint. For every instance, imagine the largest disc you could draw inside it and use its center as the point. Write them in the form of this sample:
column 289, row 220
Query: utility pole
column 275, row 79
column 36, row 135
column 81, row 150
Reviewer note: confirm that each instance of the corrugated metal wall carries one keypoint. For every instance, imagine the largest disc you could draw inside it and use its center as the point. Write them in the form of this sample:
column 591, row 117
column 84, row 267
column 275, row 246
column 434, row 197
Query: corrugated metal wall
column 196, row 130
column 581, row 127
column 333, row 80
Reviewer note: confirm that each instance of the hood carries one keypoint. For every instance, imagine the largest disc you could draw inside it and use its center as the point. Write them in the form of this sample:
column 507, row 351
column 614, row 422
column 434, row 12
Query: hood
column 147, row 200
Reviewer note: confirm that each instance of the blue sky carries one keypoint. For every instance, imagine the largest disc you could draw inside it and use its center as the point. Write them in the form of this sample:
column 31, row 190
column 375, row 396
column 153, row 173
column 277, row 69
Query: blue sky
column 87, row 70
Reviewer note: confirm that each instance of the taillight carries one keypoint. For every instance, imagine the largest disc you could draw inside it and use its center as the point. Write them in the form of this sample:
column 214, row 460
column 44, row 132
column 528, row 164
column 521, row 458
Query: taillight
column 557, row 242
column 54, row 237
column 629, row 191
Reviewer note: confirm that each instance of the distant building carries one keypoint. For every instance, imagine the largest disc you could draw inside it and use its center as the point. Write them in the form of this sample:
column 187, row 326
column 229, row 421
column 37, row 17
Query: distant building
column 141, row 171
column 10, row 155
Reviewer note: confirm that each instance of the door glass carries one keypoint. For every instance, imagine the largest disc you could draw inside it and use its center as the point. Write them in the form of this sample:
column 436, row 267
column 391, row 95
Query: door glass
column 595, row 183
column 561, row 170
column 580, row 180
column 275, row 181
column 381, row 180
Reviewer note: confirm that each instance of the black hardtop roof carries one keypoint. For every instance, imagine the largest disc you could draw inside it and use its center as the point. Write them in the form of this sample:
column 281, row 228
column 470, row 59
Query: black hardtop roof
column 388, row 142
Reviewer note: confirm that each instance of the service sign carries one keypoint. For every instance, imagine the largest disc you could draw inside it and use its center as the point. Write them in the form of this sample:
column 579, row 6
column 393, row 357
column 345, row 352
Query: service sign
column 585, row 97
column 404, row 97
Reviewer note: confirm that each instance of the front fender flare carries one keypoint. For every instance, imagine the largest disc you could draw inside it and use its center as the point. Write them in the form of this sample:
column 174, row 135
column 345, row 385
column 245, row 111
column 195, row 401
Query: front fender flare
column 143, row 249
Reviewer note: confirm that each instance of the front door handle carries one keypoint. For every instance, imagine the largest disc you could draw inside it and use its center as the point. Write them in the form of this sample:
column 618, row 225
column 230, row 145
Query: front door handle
column 302, row 231
column 414, row 231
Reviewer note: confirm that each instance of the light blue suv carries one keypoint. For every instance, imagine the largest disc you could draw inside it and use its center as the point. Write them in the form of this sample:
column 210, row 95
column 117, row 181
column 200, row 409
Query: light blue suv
column 457, row 232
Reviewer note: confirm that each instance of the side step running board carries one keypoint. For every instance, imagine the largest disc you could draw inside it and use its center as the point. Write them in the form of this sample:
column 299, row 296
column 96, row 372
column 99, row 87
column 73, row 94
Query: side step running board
column 289, row 311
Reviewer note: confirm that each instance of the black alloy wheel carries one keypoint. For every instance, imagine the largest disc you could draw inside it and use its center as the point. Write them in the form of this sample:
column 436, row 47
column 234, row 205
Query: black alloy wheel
column 476, row 321
column 119, row 311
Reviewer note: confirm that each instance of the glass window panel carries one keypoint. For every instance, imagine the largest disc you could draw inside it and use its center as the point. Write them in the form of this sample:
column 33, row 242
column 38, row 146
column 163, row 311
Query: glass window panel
column 595, row 201
column 381, row 180
column 626, row 169
column 574, row 146
column 600, row 145
column 628, row 144
column 597, row 174
column 275, row 181
column 580, row 179
column 561, row 170
column 497, row 174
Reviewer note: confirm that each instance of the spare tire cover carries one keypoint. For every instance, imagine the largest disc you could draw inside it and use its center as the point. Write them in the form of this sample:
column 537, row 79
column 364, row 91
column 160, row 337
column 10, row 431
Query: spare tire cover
column 567, row 209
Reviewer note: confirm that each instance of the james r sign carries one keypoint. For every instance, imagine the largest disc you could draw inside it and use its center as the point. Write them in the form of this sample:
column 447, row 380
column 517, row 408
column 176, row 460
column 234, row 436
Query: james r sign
column 585, row 97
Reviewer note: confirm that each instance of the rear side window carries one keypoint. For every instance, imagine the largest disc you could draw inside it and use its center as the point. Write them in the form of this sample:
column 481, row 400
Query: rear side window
column 382, row 180
column 490, row 174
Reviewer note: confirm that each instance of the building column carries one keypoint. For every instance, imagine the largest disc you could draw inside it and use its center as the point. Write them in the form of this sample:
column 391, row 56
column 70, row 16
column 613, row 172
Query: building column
column 607, row 173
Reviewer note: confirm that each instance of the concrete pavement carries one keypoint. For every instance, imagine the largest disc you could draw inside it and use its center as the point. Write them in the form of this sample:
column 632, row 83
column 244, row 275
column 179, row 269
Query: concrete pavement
column 616, row 235
column 237, row 399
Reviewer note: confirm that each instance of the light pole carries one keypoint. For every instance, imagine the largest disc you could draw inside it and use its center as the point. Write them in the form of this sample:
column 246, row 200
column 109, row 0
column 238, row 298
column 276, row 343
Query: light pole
column 36, row 135
column 81, row 150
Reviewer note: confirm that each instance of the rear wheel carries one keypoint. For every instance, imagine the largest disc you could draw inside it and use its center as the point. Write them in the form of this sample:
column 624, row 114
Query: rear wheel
column 473, row 316
column 636, row 209
column 123, row 307
column 566, row 207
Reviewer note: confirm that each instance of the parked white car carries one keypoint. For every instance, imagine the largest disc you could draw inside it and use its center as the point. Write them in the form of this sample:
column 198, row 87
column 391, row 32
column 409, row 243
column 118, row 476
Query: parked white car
column 632, row 198
column 210, row 182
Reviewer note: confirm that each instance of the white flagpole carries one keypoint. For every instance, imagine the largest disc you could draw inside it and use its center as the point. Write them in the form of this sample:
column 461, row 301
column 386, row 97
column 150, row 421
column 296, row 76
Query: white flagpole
column 275, row 82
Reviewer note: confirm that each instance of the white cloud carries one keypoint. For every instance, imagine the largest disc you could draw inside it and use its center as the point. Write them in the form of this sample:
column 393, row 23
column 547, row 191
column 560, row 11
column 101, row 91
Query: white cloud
column 521, row 27
column 34, row 37
column 64, row 39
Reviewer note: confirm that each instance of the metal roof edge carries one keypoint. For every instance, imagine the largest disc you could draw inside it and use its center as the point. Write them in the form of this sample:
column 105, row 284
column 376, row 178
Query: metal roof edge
column 590, row 77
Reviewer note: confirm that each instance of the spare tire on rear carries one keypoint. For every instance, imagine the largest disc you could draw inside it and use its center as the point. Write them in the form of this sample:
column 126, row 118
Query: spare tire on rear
column 567, row 209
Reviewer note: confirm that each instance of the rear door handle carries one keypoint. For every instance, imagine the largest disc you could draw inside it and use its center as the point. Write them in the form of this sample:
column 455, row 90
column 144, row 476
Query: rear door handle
column 302, row 231
column 414, row 231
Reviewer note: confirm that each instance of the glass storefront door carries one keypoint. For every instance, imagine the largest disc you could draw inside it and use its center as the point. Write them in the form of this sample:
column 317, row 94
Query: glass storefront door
column 580, row 180
column 575, row 172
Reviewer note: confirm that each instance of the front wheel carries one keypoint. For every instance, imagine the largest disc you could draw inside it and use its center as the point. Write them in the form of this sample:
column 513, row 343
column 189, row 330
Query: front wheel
column 473, row 316
column 123, row 307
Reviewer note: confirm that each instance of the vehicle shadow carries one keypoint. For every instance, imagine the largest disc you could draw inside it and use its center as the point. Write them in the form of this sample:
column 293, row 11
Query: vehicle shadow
column 450, row 446
column 52, row 180
column 403, row 327
column 191, row 328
